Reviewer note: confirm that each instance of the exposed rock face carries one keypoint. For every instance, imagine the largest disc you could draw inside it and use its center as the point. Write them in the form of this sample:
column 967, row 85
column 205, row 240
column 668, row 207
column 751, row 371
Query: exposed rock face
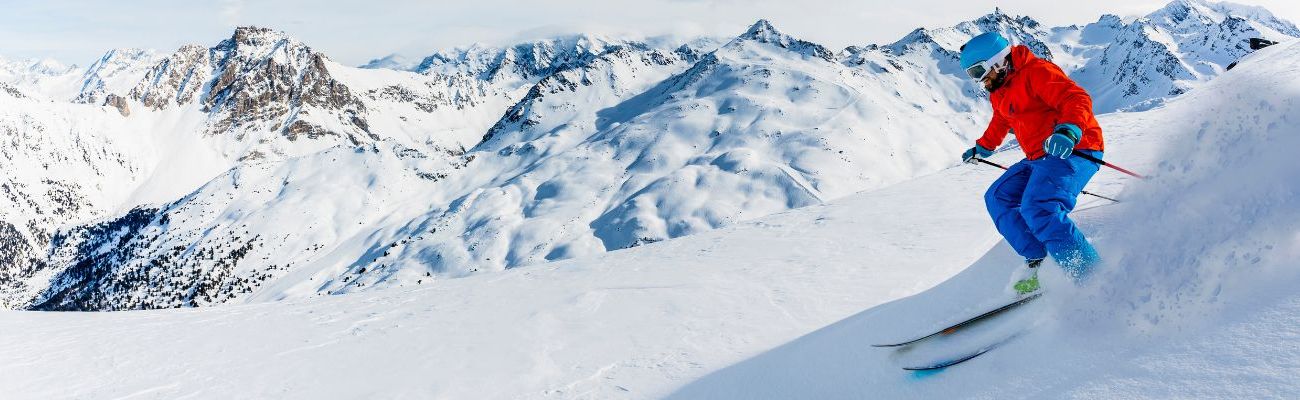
column 256, row 80
column 119, row 103
column 262, row 75
column 176, row 80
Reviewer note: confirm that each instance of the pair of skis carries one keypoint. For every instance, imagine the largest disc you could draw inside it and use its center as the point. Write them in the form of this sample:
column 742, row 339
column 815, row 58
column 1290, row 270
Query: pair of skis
column 960, row 358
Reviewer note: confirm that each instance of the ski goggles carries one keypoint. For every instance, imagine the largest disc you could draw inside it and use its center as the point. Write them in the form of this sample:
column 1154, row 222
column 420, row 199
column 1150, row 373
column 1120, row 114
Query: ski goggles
column 982, row 68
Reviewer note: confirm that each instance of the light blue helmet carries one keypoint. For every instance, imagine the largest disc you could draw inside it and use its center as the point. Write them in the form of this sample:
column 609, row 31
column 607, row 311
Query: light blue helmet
column 983, row 52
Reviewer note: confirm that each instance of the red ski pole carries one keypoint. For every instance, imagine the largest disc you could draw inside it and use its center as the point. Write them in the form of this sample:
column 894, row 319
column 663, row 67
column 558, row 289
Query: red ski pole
column 1099, row 161
column 1082, row 191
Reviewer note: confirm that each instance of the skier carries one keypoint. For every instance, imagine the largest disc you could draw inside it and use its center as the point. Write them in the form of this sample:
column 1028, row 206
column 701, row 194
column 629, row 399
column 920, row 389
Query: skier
column 1051, row 117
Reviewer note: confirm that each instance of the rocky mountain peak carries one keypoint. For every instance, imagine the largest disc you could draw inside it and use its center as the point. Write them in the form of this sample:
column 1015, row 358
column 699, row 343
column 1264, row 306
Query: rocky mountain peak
column 1111, row 20
column 1178, row 12
column 257, row 37
column 258, row 80
column 1261, row 16
column 762, row 31
column 525, row 61
column 998, row 18
column 1189, row 16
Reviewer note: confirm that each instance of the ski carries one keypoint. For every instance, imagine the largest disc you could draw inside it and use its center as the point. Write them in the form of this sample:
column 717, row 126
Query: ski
column 954, row 328
column 964, row 357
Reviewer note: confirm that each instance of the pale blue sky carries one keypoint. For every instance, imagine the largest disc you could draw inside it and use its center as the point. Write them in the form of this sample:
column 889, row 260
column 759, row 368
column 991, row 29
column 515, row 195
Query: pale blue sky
column 353, row 32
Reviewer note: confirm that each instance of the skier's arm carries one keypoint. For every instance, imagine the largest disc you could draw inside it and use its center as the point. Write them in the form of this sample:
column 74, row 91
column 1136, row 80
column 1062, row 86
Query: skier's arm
column 993, row 135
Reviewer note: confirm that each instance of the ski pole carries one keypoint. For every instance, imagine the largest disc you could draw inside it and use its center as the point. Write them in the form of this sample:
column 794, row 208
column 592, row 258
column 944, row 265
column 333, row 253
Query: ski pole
column 1100, row 162
column 1081, row 191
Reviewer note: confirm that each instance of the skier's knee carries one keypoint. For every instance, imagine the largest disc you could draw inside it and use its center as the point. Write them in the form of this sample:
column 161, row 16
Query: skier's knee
column 1044, row 218
column 996, row 202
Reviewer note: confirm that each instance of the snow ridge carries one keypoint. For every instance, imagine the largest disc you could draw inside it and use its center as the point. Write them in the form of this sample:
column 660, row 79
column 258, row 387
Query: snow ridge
column 488, row 158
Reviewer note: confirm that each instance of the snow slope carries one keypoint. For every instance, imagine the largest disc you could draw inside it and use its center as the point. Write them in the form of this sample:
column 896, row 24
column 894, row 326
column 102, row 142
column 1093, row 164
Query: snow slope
column 634, row 145
column 1200, row 304
column 191, row 121
column 635, row 323
column 1197, row 300
column 641, row 146
column 61, row 163
column 592, row 144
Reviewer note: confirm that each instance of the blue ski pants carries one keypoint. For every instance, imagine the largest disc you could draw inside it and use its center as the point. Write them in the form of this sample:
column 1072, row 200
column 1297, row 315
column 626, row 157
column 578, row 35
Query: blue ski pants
column 1031, row 202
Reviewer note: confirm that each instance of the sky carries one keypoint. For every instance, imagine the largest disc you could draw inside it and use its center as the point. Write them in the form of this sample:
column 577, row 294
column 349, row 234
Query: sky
column 353, row 32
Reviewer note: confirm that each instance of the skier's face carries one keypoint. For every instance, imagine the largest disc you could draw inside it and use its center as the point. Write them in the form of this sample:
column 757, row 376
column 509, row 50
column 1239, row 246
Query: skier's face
column 993, row 79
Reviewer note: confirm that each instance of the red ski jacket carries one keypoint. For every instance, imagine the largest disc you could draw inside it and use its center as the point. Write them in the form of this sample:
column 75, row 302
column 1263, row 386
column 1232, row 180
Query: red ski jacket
column 1034, row 98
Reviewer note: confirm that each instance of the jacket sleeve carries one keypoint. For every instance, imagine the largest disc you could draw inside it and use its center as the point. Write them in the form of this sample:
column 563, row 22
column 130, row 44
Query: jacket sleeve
column 995, row 133
column 1053, row 87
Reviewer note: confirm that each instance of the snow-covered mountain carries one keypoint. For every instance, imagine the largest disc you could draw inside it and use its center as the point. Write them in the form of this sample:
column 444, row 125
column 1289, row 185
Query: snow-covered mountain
column 394, row 174
column 63, row 163
column 258, row 169
column 114, row 73
column 267, row 94
column 1139, row 64
column 632, row 146
column 765, row 123
column 1132, row 65
column 38, row 77
column 1019, row 29
column 1200, row 305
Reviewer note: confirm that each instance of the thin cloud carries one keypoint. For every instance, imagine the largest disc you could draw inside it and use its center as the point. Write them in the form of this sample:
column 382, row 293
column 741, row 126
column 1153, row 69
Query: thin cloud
column 231, row 11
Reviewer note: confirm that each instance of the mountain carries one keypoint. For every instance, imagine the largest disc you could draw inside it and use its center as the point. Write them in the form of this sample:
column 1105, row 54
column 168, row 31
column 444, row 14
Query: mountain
column 784, row 306
column 258, row 169
column 39, row 77
column 765, row 123
column 543, row 183
column 64, row 164
column 1140, row 64
column 265, row 90
column 229, row 221
column 1135, row 65
column 1020, row 30
column 114, row 73
column 257, row 97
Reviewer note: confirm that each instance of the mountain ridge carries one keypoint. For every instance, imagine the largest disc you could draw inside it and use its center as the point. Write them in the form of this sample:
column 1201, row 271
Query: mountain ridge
column 488, row 158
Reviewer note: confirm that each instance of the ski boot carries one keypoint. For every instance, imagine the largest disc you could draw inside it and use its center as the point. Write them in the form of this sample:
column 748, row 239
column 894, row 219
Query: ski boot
column 1025, row 280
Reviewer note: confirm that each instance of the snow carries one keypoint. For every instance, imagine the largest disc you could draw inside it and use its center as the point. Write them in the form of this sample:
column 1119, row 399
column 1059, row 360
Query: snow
column 784, row 306
column 644, row 319
column 594, row 144
column 719, row 220
column 1199, row 304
